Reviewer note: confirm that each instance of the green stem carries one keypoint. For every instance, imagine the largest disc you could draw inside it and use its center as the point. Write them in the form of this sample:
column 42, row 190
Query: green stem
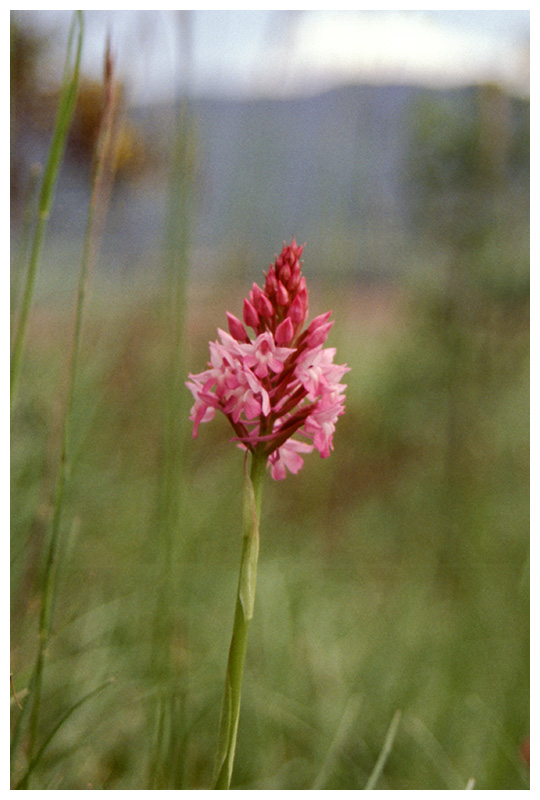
column 65, row 112
column 245, row 601
column 23, row 783
column 51, row 564
column 385, row 752
column 165, row 768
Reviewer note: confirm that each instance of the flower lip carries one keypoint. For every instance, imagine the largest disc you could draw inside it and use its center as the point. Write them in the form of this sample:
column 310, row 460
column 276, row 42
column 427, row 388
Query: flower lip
column 263, row 355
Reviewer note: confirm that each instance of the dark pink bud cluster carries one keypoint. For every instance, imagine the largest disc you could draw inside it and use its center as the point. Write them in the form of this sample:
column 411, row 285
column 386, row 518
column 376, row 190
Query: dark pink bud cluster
column 280, row 382
column 282, row 306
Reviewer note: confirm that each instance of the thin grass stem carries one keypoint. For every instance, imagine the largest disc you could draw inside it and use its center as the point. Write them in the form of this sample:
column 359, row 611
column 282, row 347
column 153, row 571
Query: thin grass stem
column 165, row 765
column 66, row 107
column 21, row 261
column 349, row 716
column 65, row 111
column 435, row 752
column 22, row 784
column 385, row 752
column 99, row 193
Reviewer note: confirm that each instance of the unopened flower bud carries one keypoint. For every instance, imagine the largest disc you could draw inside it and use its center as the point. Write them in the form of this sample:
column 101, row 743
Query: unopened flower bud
column 318, row 330
column 271, row 282
column 282, row 295
column 236, row 328
column 297, row 311
column 284, row 273
column 251, row 317
column 284, row 332
column 261, row 302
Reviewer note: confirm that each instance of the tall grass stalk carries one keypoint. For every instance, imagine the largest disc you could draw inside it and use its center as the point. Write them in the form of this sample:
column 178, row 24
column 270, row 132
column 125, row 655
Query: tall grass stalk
column 52, row 733
column 66, row 107
column 345, row 726
column 165, row 768
column 21, row 263
column 102, row 176
column 385, row 752
column 434, row 752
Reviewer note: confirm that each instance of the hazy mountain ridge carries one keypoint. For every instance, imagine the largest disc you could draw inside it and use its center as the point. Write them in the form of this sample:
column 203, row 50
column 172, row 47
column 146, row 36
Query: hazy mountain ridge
column 333, row 169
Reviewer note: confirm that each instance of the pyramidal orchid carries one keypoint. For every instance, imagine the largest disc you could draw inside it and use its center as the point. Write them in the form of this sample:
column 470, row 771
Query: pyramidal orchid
column 278, row 382
column 282, row 393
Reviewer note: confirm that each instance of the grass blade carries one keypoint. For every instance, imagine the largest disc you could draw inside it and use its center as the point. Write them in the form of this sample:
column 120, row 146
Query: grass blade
column 385, row 752
column 102, row 177
column 166, row 766
column 24, row 780
column 347, row 720
column 66, row 107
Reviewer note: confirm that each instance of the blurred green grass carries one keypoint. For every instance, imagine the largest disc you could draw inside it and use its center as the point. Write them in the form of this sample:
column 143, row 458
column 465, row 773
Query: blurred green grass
column 393, row 575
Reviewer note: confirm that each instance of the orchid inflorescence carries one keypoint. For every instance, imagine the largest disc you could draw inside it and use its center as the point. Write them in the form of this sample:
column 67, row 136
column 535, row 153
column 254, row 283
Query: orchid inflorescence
column 279, row 383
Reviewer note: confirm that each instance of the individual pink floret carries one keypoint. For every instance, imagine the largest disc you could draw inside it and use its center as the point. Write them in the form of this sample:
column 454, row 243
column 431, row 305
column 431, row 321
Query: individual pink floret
column 288, row 457
column 264, row 355
column 316, row 370
column 321, row 423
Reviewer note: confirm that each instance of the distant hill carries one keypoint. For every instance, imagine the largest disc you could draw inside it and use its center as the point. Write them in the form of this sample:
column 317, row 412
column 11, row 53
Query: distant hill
column 333, row 169
column 273, row 168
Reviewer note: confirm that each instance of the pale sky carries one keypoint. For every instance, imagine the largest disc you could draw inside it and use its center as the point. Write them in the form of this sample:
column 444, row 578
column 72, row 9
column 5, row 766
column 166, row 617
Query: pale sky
column 283, row 53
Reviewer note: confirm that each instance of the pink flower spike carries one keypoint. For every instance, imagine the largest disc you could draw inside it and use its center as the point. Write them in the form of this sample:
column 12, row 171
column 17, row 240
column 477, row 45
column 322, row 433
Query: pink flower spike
column 284, row 332
column 236, row 328
column 278, row 382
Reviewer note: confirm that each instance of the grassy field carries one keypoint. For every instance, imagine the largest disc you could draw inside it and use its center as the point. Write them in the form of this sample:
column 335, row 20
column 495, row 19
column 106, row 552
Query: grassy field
column 393, row 576
column 390, row 643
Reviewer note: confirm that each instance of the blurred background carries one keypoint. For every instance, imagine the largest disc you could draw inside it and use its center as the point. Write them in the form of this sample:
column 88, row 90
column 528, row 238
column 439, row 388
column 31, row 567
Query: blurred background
column 394, row 575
